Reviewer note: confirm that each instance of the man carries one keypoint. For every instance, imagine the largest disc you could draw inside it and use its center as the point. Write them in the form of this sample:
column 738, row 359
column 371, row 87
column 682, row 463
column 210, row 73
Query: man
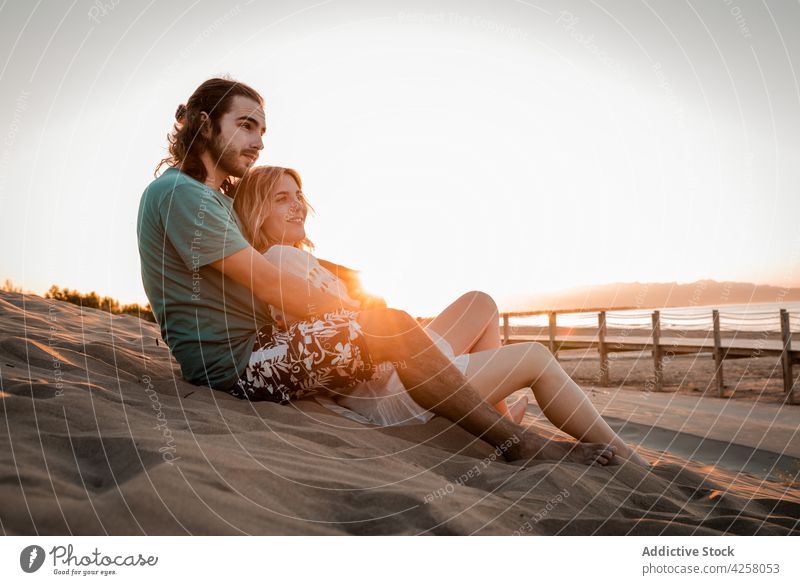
column 209, row 290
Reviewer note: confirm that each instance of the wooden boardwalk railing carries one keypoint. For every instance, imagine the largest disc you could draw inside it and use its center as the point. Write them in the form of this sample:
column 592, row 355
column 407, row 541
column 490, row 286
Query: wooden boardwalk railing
column 660, row 345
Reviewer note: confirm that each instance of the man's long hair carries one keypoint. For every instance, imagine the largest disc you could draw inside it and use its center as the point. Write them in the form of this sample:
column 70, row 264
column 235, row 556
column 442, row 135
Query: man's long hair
column 191, row 135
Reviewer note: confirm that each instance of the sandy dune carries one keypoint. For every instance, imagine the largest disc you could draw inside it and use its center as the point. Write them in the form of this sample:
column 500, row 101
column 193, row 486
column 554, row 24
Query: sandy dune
column 101, row 436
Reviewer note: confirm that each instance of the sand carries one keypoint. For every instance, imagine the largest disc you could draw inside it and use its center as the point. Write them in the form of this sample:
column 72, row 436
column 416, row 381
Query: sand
column 100, row 436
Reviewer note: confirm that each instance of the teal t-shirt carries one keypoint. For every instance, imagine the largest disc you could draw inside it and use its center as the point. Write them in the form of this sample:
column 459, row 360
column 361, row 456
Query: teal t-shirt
column 208, row 321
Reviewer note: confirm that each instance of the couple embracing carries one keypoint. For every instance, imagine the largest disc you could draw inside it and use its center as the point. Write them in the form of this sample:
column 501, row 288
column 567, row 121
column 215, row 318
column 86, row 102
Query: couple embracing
column 246, row 308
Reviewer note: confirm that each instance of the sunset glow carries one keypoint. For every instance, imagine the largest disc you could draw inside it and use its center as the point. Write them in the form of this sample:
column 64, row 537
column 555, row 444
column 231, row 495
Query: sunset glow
column 501, row 152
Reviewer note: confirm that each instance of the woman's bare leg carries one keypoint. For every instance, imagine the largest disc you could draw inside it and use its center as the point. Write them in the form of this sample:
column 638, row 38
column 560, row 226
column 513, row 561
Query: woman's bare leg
column 470, row 324
column 435, row 383
column 465, row 321
column 491, row 340
column 496, row 373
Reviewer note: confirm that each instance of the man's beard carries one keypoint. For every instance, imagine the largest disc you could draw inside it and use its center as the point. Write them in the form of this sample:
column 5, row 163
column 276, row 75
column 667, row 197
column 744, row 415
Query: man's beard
column 226, row 159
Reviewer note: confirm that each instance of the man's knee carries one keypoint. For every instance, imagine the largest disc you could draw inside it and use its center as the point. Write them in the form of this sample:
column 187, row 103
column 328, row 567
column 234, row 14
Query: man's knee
column 385, row 322
column 385, row 331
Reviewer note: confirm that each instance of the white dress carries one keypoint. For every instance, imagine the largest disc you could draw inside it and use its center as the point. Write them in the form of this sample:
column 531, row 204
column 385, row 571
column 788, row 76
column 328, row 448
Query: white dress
column 383, row 400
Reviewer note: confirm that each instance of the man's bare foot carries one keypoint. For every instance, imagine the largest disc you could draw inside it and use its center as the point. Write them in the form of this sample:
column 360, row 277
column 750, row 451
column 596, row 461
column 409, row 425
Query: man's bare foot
column 638, row 459
column 516, row 412
column 534, row 447
column 628, row 453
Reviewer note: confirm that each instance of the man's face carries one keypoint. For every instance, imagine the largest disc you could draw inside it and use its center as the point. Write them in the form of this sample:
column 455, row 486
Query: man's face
column 235, row 148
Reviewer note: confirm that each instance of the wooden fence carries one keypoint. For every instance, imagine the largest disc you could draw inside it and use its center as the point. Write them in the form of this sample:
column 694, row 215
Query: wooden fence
column 661, row 344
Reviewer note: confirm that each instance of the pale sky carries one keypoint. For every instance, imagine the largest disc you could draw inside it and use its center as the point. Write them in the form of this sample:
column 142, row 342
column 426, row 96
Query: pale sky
column 507, row 146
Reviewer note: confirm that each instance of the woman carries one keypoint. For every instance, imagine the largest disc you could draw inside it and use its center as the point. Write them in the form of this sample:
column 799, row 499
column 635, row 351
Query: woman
column 272, row 210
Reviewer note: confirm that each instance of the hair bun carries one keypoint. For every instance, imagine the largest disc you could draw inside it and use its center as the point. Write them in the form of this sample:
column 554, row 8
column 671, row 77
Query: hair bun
column 180, row 113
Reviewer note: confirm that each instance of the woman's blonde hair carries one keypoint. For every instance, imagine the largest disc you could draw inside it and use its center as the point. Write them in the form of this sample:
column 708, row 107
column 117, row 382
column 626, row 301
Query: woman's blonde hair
column 253, row 197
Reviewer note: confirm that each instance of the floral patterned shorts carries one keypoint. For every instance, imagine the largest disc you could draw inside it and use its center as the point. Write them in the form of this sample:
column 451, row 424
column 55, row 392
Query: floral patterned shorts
column 310, row 356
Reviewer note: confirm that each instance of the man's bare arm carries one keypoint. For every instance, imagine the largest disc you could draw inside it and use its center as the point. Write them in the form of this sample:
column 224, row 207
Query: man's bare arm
column 286, row 292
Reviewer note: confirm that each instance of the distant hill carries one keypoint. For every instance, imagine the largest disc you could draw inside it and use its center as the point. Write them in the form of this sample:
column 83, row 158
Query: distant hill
column 655, row 295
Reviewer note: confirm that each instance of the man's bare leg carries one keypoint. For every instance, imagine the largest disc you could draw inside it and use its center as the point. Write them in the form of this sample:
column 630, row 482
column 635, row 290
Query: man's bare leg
column 435, row 384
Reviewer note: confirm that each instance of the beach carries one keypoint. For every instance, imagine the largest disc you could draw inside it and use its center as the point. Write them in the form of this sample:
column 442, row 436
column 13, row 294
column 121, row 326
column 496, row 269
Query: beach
column 101, row 436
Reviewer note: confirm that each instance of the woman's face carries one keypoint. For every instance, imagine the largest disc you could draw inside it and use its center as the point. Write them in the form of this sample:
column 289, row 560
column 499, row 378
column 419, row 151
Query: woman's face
column 286, row 223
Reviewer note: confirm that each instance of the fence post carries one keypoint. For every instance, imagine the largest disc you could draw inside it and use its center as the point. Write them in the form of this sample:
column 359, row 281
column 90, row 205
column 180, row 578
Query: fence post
column 506, row 335
column 786, row 356
column 601, row 347
column 718, row 355
column 657, row 350
column 552, row 327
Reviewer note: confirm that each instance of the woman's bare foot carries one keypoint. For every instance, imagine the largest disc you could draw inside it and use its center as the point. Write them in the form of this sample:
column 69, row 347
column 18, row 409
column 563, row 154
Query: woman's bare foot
column 532, row 446
column 516, row 412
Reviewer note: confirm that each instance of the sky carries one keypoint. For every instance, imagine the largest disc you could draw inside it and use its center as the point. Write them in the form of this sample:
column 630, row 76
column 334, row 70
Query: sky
column 513, row 147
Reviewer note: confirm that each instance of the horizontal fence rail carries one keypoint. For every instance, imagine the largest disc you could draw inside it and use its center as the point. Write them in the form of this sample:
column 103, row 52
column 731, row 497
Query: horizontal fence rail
column 655, row 331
